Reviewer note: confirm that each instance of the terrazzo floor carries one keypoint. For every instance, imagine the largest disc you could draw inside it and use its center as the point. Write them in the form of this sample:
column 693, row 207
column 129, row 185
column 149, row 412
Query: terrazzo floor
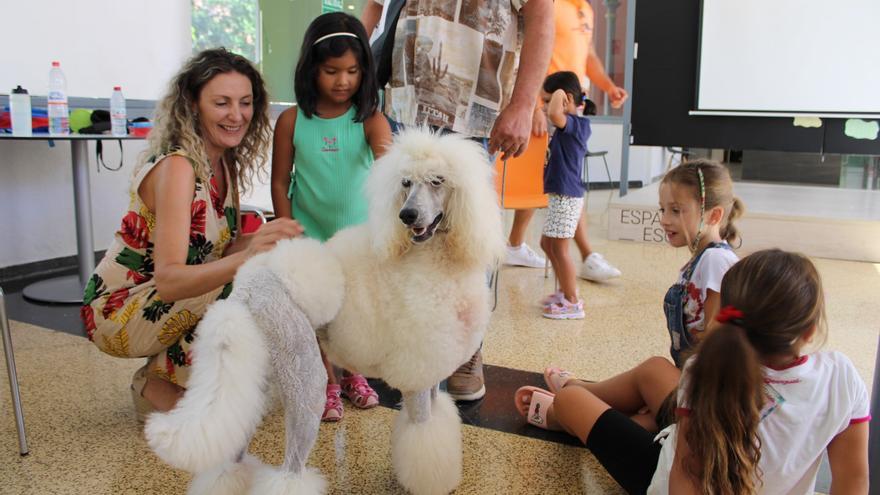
column 84, row 440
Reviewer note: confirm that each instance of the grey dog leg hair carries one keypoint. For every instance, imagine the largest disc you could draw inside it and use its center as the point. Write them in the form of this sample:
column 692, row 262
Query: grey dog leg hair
column 418, row 405
column 296, row 360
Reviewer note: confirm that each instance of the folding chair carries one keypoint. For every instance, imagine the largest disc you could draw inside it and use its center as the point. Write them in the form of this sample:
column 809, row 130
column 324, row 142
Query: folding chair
column 520, row 185
column 13, row 376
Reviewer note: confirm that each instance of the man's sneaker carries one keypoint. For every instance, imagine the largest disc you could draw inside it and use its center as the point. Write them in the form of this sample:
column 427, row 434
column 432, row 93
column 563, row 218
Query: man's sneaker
column 467, row 381
column 597, row 269
column 523, row 255
column 565, row 310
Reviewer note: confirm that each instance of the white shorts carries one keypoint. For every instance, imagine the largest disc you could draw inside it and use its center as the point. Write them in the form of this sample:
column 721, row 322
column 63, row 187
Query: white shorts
column 563, row 215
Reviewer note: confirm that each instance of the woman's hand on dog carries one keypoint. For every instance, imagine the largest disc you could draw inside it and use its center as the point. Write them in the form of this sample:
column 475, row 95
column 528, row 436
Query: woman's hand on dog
column 266, row 236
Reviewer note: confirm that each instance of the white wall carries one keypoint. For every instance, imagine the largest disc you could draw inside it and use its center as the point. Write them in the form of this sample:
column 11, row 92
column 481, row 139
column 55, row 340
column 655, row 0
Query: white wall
column 139, row 45
column 100, row 44
column 645, row 162
column 36, row 199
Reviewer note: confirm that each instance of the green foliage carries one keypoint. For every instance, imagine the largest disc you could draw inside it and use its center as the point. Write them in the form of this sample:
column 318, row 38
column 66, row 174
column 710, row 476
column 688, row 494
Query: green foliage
column 228, row 23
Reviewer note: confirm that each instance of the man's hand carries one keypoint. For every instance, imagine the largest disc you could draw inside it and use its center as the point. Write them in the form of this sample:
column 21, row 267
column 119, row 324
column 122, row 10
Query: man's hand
column 617, row 95
column 539, row 122
column 510, row 134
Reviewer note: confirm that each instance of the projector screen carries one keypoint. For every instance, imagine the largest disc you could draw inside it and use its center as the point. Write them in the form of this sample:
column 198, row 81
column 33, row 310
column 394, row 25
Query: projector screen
column 789, row 57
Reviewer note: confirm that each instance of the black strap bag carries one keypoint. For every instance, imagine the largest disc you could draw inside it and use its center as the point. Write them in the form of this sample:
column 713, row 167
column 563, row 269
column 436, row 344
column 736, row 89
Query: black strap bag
column 383, row 46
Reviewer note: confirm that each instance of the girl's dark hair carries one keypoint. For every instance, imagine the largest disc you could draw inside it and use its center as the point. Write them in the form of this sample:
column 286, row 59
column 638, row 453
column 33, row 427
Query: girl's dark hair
column 780, row 297
column 568, row 81
column 366, row 98
column 719, row 191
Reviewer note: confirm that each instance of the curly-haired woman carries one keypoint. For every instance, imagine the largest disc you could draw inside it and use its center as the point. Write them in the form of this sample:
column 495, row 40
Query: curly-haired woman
column 179, row 244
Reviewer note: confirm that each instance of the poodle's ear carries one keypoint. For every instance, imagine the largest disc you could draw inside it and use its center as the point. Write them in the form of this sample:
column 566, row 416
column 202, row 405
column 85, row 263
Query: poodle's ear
column 473, row 214
column 390, row 238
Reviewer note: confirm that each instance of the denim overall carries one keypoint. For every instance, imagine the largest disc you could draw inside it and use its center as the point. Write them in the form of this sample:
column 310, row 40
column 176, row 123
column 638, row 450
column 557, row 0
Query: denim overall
column 673, row 307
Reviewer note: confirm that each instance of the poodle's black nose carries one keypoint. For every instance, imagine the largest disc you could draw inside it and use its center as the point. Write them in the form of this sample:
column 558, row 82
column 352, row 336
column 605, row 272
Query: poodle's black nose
column 409, row 215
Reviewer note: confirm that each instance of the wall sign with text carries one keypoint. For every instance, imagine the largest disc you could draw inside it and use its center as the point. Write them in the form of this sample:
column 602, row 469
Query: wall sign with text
column 635, row 223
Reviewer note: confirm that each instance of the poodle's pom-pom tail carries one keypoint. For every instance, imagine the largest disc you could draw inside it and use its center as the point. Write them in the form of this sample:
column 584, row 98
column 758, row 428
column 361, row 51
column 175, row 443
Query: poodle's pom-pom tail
column 225, row 397
column 311, row 274
column 231, row 478
column 270, row 480
column 427, row 456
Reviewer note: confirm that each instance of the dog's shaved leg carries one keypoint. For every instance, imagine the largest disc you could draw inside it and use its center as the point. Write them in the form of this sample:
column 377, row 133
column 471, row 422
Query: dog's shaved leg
column 301, row 378
column 295, row 357
column 418, row 406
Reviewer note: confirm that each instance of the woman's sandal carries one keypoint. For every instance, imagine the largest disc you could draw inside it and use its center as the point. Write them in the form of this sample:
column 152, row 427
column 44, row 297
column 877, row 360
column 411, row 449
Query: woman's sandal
column 539, row 403
column 556, row 378
column 142, row 407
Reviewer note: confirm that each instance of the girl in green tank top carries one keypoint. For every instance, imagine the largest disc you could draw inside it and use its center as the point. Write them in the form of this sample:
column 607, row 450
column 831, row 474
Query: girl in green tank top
column 323, row 150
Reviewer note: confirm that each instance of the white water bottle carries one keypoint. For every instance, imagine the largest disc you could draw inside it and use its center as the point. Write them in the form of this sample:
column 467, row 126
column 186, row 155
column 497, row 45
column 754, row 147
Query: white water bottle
column 20, row 108
column 59, row 118
column 118, row 122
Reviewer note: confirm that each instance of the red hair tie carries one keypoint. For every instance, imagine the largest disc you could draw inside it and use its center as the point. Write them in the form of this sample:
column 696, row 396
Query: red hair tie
column 729, row 314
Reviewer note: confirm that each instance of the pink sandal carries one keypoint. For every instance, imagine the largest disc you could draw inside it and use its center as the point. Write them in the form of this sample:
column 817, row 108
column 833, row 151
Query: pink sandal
column 359, row 392
column 333, row 405
column 556, row 378
column 539, row 403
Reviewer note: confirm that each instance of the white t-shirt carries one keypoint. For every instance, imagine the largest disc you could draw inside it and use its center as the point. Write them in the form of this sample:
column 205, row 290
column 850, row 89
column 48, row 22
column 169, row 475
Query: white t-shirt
column 808, row 404
column 708, row 273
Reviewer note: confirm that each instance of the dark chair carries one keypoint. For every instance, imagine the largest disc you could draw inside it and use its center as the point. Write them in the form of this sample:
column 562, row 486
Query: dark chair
column 585, row 178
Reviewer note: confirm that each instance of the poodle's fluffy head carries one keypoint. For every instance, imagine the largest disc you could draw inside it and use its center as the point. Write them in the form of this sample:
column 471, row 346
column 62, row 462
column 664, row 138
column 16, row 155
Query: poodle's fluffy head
column 431, row 189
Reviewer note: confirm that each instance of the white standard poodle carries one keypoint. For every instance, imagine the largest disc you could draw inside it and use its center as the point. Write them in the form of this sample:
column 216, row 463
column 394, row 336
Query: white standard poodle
column 403, row 297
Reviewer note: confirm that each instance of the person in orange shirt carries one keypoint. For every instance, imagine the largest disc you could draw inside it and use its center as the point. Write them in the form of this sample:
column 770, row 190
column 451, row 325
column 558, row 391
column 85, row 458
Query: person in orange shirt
column 573, row 51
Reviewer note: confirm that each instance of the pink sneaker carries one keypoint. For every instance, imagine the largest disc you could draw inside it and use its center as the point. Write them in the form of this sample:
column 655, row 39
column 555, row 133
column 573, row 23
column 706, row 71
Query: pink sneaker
column 565, row 310
column 333, row 406
column 359, row 392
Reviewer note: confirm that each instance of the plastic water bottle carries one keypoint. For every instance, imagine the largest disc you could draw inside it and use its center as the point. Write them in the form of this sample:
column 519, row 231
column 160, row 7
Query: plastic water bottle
column 118, row 122
column 20, row 108
column 59, row 118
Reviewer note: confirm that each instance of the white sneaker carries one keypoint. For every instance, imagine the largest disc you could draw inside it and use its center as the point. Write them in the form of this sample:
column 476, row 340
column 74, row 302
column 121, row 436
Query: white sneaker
column 523, row 255
column 597, row 269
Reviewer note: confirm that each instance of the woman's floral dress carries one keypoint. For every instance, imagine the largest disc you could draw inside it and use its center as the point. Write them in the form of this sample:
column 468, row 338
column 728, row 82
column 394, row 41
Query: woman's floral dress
column 122, row 312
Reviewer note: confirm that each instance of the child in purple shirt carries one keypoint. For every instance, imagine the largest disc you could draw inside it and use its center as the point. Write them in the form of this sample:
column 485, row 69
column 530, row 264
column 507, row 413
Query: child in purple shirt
column 563, row 97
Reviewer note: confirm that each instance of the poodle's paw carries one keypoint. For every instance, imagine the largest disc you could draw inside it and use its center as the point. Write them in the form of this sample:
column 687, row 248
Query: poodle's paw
column 271, row 480
column 427, row 456
column 232, row 478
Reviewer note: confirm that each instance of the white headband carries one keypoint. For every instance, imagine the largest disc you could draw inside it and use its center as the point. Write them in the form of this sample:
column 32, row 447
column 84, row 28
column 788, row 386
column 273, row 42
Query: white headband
column 333, row 35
